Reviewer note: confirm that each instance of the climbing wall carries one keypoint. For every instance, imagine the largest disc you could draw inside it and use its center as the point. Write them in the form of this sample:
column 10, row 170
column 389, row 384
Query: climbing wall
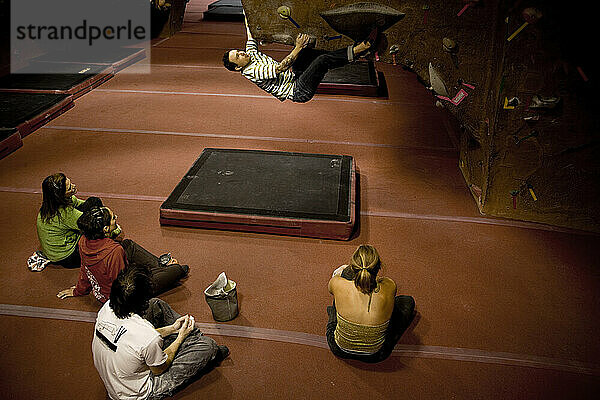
column 517, row 75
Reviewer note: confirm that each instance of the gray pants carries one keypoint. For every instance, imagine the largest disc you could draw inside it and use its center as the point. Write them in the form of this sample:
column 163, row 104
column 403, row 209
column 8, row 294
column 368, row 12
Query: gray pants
column 193, row 357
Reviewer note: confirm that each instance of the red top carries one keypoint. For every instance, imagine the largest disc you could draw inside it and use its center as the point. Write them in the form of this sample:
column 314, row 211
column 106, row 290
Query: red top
column 101, row 262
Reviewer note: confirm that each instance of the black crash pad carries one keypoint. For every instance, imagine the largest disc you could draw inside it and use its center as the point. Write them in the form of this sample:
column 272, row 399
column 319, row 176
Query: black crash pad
column 266, row 191
column 10, row 140
column 225, row 10
column 356, row 79
column 29, row 111
column 118, row 57
column 62, row 78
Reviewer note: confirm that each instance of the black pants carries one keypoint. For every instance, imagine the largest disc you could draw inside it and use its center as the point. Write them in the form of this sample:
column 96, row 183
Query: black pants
column 404, row 307
column 310, row 68
column 163, row 277
column 74, row 260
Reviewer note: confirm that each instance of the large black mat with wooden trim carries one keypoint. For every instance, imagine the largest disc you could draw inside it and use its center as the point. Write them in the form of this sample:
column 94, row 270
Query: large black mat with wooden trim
column 10, row 140
column 29, row 111
column 266, row 191
column 355, row 79
column 61, row 78
column 225, row 10
column 118, row 57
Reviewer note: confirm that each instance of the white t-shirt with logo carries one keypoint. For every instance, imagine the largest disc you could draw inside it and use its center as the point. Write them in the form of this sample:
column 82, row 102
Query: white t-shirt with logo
column 123, row 349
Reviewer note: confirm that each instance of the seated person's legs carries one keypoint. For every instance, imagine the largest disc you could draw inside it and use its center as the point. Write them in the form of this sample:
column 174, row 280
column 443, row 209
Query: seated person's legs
column 73, row 261
column 163, row 277
column 194, row 354
column 402, row 316
column 308, row 81
column 305, row 58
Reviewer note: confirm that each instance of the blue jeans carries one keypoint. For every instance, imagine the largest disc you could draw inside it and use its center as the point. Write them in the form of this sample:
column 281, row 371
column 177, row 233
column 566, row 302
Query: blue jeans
column 192, row 359
column 310, row 69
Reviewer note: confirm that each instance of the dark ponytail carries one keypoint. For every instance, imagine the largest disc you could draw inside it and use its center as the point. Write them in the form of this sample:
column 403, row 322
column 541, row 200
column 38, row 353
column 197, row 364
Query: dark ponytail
column 53, row 196
column 365, row 264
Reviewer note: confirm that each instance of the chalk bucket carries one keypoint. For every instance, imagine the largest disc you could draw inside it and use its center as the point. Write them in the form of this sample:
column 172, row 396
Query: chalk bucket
column 221, row 297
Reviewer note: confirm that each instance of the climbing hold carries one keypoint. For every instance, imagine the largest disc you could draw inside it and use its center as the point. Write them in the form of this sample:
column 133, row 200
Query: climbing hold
column 285, row 13
column 531, row 15
column 467, row 5
column 436, row 82
column 531, row 192
column 394, row 49
column 425, row 13
column 357, row 20
column 519, row 140
column 514, row 194
column 538, row 101
column 450, row 47
column 582, row 74
column 511, row 104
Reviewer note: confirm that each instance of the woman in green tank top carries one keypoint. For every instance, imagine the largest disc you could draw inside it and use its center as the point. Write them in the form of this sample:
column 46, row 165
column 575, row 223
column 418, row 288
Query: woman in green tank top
column 57, row 220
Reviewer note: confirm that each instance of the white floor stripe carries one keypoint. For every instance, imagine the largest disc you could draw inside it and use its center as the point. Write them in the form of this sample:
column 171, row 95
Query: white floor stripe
column 370, row 213
column 248, row 137
column 402, row 350
column 252, row 96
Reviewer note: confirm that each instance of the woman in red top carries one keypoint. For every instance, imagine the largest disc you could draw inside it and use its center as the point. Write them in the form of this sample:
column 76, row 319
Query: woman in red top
column 102, row 258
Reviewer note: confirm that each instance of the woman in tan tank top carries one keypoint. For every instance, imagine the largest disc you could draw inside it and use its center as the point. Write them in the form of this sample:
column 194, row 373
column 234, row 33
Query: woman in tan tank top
column 367, row 318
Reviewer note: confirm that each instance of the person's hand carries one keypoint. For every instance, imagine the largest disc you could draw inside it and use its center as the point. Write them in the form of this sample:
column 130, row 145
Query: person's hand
column 187, row 325
column 174, row 327
column 63, row 294
column 302, row 40
column 117, row 234
column 173, row 261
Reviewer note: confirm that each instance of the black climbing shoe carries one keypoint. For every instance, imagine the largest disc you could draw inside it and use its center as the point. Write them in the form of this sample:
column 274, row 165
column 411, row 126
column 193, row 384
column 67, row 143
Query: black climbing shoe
column 185, row 268
column 222, row 353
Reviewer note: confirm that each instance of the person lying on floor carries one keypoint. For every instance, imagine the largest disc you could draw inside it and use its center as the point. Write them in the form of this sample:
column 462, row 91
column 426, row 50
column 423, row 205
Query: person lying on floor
column 366, row 318
column 142, row 348
column 57, row 228
column 102, row 258
column 298, row 75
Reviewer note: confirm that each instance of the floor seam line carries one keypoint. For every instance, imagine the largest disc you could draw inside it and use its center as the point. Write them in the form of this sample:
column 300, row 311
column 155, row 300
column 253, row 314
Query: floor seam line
column 319, row 341
column 368, row 213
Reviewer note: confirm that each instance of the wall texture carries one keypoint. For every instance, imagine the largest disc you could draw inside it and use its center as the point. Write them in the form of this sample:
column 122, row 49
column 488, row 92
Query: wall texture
column 519, row 161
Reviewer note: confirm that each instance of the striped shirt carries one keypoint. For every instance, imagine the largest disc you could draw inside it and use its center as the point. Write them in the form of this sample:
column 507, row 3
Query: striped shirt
column 261, row 71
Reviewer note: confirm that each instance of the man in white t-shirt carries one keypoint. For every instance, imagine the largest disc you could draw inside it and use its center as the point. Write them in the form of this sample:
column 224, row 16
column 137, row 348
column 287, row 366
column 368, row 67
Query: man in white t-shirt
column 143, row 349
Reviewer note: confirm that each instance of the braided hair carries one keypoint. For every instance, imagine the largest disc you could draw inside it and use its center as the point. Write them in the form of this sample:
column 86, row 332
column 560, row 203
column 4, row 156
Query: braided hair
column 93, row 221
column 365, row 264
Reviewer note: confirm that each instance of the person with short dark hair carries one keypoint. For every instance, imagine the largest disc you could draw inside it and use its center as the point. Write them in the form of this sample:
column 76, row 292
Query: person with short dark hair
column 367, row 318
column 102, row 258
column 299, row 74
column 142, row 348
column 56, row 224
